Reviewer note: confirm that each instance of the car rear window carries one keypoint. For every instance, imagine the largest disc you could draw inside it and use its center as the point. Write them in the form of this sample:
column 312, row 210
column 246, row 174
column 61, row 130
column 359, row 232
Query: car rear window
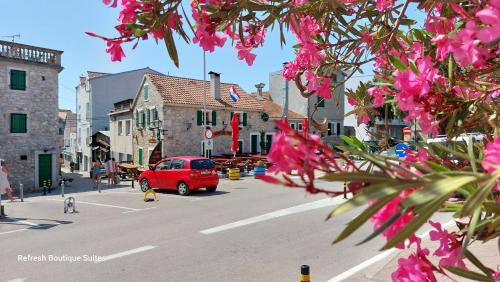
column 202, row 164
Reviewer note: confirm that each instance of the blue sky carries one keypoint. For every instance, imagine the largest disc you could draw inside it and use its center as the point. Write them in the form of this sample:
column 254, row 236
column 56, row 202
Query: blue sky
column 60, row 24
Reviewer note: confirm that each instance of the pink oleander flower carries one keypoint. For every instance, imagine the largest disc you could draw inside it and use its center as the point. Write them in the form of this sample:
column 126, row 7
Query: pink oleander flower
column 206, row 34
column 490, row 16
column 352, row 101
column 491, row 160
column 415, row 268
column 383, row 5
column 378, row 95
column 324, row 90
column 449, row 249
column 244, row 53
column 290, row 70
column 127, row 13
column 115, row 49
column 113, row 3
column 387, row 212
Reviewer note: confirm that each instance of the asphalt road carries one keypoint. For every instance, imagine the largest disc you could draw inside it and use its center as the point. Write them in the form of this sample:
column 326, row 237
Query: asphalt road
column 246, row 231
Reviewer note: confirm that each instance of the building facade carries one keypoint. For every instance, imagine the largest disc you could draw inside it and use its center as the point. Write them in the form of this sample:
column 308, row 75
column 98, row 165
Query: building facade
column 30, row 137
column 96, row 95
column 332, row 109
column 120, row 127
column 69, row 150
column 171, row 110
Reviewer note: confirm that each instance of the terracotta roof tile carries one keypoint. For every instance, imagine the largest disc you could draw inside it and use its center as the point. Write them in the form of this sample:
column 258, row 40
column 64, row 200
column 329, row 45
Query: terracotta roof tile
column 187, row 91
column 92, row 74
column 275, row 111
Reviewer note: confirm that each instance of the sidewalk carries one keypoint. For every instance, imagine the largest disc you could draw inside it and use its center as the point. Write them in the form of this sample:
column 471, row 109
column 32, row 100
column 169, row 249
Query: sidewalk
column 381, row 271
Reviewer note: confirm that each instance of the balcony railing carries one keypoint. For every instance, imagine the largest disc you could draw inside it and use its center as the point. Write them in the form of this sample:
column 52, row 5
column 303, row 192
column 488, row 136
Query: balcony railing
column 33, row 54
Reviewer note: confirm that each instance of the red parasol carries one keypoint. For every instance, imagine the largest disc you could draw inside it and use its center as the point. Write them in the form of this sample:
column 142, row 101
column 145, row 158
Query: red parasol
column 235, row 125
column 305, row 127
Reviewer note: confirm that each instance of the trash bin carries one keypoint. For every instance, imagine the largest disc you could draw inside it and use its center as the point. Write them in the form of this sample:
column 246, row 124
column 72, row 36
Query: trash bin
column 234, row 173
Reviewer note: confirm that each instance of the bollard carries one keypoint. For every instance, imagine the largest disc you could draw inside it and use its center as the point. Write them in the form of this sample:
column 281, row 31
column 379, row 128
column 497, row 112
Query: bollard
column 21, row 191
column 62, row 188
column 99, row 183
column 69, row 205
column 2, row 212
column 304, row 273
column 345, row 189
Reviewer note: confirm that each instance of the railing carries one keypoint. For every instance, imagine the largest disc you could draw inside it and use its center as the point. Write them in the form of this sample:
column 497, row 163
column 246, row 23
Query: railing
column 30, row 53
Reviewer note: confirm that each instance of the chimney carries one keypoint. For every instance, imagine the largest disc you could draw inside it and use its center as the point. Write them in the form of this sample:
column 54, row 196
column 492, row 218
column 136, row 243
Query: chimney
column 259, row 87
column 215, row 85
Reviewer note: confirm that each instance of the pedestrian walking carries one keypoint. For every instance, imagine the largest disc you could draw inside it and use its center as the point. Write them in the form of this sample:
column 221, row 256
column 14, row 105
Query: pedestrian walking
column 110, row 171
column 94, row 172
column 72, row 166
column 116, row 173
column 4, row 181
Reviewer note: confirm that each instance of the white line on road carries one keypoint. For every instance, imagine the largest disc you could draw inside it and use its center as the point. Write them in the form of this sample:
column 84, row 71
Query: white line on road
column 140, row 210
column 126, row 253
column 100, row 205
column 275, row 214
column 17, row 280
column 13, row 231
column 367, row 263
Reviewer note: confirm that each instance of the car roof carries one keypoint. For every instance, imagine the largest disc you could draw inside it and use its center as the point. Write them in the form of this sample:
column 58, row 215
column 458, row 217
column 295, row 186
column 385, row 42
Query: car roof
column 187, row 158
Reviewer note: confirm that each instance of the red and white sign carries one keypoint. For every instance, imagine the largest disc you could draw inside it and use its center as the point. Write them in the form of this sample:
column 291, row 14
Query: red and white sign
column 209, row 134
column 406, row 134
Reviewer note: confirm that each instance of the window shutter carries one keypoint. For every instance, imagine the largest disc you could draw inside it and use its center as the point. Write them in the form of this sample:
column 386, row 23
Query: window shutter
column 155, row 114
column 23, row 123
column 18, row 123
column 146, row 92
column 143, row 121
column 199, row 117
column 214, row 118
column 338, row 128
column 231, row 118
column 329, row 128
column 149, row 118
column 17, row 80
column 136, row 118
column 320, row 102
column 244, row 119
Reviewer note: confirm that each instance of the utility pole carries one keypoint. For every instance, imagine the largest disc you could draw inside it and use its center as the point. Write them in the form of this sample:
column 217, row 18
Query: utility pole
column 285, row 106
column 204, row 105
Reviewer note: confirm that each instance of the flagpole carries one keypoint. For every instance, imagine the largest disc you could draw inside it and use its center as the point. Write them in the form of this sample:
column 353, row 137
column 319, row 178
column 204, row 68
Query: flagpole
column 204, row 105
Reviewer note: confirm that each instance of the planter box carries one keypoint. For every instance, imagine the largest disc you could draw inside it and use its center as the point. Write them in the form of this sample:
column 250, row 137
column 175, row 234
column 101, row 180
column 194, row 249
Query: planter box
column 259, row 170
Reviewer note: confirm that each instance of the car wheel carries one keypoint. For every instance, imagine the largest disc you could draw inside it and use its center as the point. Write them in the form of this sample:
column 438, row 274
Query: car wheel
column 183, row 189
column 144, row 185
column 211, row 189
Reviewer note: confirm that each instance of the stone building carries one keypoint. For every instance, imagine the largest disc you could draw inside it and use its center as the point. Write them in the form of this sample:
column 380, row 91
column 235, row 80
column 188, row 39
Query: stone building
column 171, row 109
column 29, row 112
column 120, row 127
column 331, row 109
column 95, row 97
column 69, row 150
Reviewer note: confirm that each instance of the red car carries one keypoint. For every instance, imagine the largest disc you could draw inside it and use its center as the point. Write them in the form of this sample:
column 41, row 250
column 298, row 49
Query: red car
column 182, row 174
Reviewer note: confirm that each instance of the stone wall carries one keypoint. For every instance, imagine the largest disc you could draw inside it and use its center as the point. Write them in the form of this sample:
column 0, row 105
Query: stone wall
column 40, row 102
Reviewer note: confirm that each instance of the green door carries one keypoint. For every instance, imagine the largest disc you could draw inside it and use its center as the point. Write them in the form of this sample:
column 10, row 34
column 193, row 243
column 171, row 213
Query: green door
column 240, row 147
column 253, row 143
column 140, row 156
column 269, row 141
column 44, row 168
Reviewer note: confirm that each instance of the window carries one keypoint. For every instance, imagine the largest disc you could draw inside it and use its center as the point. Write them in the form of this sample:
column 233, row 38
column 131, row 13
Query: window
column 299, row 127
column 331, row 128
column 292, row 125
column 338, row 128
column 87, row 114
column 137, row 119
column 164, row 165
column 139, row 156
column 178, row 164
column 146, row 92
column 127, row 128
column 120, row 128
column 320, row 102
column 17, row 80
column 243, row 118
column 155, row 114
column 18, row 123
column 148, row 117
column 143, row 119
column 202, row 164
column 210, row 116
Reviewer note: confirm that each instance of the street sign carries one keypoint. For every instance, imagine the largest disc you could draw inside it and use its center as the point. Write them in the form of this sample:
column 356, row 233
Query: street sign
column 401, row 150
column 407, row 134
column 209, row 134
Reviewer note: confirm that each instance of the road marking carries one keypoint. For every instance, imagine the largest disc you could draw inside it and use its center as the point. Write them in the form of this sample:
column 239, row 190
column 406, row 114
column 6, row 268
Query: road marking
column 328, row 202
column 140, row 210
column 367, row 263
column 28, row 223
column 13, row 231
column 191, row 198
column 97, row 204
column 17, row 280
column 126, row 253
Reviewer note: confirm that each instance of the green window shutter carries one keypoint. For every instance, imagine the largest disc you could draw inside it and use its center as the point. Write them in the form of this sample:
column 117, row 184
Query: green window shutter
column 18, row 123
column 321, row 102
column 199, row 118
column 330, row 125
column 244, row 119
column 149, row 118
column 338, row 128
column 140, row 156
column 137, row 119
column 17, row 80
column 231, row 118
column 214, row 118
column 143, row 119
column 146, row 92
column 155, row 114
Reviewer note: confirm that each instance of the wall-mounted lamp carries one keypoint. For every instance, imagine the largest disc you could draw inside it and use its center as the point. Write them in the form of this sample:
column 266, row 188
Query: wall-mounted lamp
column 188, row 125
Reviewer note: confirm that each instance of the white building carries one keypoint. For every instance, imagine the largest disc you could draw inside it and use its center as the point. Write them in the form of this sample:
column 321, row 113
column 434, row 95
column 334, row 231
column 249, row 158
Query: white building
column 95, row 98
column 120, row 127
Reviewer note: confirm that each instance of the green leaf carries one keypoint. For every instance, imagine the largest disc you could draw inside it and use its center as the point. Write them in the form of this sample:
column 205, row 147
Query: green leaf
column 468, row 274
column 492, row 207
column 363, row 217
column 436, row 188
column 478, row 197
column 353, row 141
column 416, row 223
column 356, row 176
column 172, row 50
column 413, row 67
column 472, row 258
column 396, row 62
column 436, row 167
column 384, row 226
column 471, row 228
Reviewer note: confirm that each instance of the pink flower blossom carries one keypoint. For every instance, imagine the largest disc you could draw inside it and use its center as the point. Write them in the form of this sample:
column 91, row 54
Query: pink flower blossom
column 491, row 160
column 383, row 5
column 244, row 53
column 490, row 16
column 378, row 95
column 352, row 101
column 115, row 49
column 415, row 268
column 390, row 209
column 449, row 248
column 206, row 34
column 113, row 3
column 324, row 90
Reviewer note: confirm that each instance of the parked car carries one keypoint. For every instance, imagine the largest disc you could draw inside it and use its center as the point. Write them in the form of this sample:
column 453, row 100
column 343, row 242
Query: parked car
column 183, row 174
column 101, row 172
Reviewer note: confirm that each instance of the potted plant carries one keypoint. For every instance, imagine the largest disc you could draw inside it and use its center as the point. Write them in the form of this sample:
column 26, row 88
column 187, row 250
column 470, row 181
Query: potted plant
column 259, row 168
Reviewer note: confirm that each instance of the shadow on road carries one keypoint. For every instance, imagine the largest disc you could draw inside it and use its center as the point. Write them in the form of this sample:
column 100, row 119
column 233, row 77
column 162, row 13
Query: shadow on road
column 26, row 222
column 197, row 193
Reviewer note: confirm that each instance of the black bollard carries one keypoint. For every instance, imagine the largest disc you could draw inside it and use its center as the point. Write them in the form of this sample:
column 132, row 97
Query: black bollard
column 304, row 273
